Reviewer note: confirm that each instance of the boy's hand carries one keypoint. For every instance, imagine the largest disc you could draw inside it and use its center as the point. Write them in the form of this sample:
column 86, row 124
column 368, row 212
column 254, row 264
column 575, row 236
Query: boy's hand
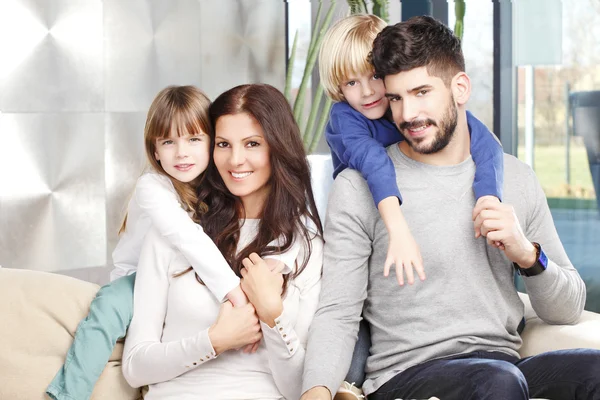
column 404, row 252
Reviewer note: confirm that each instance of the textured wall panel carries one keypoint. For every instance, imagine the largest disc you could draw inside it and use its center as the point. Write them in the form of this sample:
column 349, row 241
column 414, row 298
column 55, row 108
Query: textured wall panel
column 241, row 42
column 149, row 45
column 53, row 213
column 125, row 161
column 54, row 53
column 76, row 80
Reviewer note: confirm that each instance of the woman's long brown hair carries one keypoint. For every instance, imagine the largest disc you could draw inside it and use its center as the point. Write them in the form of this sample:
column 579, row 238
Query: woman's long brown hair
column 290, row 205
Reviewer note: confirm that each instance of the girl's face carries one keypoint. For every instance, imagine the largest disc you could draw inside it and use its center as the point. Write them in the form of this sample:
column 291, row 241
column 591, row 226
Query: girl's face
column 242, row 158
column 183, row 157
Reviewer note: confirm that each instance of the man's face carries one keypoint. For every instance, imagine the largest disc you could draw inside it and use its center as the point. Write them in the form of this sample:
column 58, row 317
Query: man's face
column 423, row 109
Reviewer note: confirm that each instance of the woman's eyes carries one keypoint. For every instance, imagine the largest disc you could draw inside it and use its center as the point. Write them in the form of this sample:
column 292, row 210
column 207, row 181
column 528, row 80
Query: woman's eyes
column 196, row 139
column 166, row 142
column 248, row 144
column 375, row 77
column 350, row 83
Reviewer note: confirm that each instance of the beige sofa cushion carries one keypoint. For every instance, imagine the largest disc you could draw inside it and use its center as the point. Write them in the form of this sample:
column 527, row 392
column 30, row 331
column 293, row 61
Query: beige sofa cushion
column 539, row 337
column 40, row 313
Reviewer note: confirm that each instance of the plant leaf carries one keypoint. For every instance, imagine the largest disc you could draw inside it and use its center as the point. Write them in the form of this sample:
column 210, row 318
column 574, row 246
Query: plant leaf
column 287, row 92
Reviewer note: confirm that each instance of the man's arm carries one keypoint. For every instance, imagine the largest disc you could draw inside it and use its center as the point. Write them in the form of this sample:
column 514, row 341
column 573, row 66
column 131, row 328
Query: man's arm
column 334, row 329
column 557, row 294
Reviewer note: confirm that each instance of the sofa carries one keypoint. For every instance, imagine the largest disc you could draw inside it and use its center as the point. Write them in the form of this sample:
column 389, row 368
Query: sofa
column 40, row 313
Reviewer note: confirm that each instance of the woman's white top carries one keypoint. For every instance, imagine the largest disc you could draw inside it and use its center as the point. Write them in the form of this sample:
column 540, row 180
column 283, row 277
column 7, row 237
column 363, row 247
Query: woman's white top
column 155, row 203
column 168, row 347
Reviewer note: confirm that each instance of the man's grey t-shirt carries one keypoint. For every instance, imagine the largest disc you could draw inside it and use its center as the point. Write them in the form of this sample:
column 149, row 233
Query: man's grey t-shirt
column 468, row 301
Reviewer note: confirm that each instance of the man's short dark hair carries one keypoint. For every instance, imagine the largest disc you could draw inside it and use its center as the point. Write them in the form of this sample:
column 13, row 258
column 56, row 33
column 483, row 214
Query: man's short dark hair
column 418, row 42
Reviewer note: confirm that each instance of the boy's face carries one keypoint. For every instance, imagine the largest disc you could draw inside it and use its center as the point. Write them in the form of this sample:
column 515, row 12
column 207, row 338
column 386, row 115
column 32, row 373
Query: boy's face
column 366, row 94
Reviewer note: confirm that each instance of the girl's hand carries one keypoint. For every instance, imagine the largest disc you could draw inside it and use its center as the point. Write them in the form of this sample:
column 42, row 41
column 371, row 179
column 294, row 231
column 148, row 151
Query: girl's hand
column 404, row 253
column 263, row 288
column 276, row 266
column 234, row 328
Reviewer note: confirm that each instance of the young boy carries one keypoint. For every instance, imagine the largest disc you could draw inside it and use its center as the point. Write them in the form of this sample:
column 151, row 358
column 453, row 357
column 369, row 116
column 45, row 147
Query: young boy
column 360, row 128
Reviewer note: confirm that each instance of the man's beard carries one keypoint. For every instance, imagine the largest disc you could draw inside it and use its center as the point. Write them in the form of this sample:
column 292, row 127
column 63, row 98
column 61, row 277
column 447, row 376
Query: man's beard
column 446, row 129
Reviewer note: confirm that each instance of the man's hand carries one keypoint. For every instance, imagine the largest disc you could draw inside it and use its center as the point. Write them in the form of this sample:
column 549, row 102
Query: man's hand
column 499, row 224
column 317, row 393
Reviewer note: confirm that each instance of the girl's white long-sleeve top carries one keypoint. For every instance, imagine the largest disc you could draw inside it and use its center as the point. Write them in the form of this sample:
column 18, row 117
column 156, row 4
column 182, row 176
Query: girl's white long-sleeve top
column 168, row 347
column 155, row 203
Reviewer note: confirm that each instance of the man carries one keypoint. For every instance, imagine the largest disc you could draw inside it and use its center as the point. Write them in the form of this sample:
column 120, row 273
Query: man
column 455, row 335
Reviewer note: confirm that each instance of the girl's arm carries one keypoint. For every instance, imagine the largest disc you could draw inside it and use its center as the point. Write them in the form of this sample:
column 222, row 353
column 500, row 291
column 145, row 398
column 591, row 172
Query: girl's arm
column 145, row 359
column 155, row 195
column 285, row 337
column 285, row 262
column 488, row 157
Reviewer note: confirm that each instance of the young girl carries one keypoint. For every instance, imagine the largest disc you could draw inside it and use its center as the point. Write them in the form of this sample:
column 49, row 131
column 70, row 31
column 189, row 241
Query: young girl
column 177, row 143
column 182, row 342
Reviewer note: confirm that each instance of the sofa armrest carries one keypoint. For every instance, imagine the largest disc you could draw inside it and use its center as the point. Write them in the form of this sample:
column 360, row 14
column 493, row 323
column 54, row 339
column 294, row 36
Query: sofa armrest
column 539, row 337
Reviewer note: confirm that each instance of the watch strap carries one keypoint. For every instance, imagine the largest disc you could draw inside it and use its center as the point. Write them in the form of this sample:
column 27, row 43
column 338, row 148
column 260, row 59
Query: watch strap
column 540, row 265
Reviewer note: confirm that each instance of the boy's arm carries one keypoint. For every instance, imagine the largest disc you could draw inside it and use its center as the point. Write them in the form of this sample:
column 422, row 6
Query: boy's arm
column 488, row 157
column 353, row 143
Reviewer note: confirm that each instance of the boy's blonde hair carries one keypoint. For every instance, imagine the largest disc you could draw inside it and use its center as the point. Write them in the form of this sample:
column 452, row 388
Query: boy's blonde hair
column 345, row 51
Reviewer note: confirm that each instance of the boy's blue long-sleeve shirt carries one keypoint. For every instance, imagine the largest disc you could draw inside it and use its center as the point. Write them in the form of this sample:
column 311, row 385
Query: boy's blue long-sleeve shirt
column 360, row 143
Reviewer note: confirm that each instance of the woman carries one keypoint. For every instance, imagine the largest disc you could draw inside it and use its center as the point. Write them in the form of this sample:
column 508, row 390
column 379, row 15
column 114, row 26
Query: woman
column 182, row 342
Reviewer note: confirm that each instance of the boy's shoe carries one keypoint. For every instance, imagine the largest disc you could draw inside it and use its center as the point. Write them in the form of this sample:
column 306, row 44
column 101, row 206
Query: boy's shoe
column 349, row 392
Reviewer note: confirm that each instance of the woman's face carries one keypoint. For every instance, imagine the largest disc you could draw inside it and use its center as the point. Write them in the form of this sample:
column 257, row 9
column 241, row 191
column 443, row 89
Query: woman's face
column 242, row 158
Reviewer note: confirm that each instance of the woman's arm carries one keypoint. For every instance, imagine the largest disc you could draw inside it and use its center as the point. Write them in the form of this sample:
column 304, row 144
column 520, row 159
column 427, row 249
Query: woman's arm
column 146, row 359
column 154, row 194
column 285, row 337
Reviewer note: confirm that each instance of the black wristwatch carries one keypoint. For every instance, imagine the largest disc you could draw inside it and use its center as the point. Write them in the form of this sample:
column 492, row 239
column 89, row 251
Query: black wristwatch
column 540, row 265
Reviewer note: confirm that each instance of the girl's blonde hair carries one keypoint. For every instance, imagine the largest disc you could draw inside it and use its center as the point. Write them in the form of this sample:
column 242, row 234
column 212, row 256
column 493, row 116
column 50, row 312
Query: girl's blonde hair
column 345, row 51
column 182, row 110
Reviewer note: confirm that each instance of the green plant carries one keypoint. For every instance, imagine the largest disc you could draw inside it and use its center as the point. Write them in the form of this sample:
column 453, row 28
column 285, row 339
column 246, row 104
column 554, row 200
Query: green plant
column 313, row 126
column 459, row 11
column 379, row 8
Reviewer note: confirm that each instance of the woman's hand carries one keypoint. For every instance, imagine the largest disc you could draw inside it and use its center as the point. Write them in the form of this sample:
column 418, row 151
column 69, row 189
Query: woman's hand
column 234, row 328
column 263, row 288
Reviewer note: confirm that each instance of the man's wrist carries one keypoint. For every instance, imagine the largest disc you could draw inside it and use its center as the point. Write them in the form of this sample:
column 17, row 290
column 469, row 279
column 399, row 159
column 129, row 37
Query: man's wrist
column 539, row 265
column 530, row 258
